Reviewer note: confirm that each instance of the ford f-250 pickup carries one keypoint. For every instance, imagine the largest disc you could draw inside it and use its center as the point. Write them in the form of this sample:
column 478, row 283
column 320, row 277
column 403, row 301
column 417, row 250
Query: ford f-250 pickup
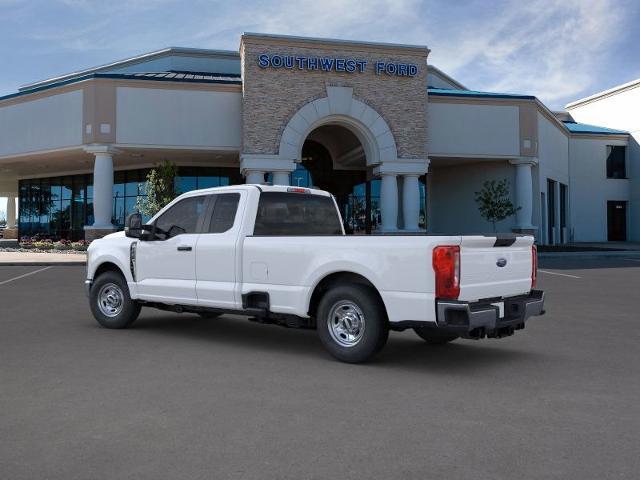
column 280, row 255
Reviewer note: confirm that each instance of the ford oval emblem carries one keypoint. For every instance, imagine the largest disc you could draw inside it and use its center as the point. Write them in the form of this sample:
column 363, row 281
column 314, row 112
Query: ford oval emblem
column 501, row 262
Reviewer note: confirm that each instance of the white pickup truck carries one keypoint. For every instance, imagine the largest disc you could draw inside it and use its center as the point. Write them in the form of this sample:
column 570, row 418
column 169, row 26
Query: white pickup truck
column 280, row 255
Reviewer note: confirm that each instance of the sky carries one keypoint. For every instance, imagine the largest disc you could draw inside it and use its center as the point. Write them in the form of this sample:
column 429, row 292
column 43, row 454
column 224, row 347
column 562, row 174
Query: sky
column 558, row 50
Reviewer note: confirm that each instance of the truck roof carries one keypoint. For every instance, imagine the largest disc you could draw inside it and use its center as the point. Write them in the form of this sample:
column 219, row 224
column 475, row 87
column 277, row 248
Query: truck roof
column 262, row 188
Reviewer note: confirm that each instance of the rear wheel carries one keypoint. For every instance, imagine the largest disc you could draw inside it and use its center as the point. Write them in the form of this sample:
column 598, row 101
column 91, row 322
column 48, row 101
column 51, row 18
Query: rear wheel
column 352, row 323
column 433, row 336
column 110, row 302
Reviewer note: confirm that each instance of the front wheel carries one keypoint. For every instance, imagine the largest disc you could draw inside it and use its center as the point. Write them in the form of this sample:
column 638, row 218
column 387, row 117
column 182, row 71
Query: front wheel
column 110, row 302
column 433, row 337
column 352, row 323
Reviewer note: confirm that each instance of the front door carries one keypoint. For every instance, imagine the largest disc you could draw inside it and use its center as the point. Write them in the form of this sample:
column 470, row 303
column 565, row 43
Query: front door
column 617, row 221
column 166, row 265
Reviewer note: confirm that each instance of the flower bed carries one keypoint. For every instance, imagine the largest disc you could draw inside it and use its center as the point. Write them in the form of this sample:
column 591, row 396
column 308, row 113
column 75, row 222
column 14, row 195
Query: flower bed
column 48, row 244
column 40, row 245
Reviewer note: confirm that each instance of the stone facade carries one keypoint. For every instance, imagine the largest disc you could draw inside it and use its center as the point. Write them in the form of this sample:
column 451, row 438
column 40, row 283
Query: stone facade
column 10, row 234
column 91, row 234
column 272, row 96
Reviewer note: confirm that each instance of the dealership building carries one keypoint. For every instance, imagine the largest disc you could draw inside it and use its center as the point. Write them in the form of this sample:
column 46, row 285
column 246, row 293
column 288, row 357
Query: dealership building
column 400, row 144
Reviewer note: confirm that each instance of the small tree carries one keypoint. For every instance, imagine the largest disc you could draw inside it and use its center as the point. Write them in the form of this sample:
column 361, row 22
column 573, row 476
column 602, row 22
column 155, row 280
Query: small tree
column 159, row 189
column 494, row 203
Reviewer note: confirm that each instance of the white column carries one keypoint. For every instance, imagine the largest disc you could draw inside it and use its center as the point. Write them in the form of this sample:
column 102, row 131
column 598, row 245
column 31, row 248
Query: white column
column 102, row 190
column 254, row 176
column 11, row 212
column 411, row 201
column 524, row 192
column 280, row 178
column 389, row 202
column 102, row 186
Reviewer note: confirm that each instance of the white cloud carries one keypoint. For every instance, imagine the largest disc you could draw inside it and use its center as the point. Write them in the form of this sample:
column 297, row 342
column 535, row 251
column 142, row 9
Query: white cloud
column 553, row 49
column 349, row 19
column 548, row 48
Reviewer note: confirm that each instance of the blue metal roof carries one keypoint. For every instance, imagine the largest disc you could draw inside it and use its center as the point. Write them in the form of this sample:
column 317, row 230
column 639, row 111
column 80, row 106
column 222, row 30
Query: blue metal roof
column 575, row 127
column 445, row 92
column 187, row 77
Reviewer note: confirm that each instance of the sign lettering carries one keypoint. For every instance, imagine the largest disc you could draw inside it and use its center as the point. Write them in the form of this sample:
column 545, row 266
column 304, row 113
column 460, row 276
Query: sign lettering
column 331, row 64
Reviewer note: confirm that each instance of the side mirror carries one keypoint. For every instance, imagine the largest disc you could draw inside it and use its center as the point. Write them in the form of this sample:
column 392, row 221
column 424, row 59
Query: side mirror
column 133, row 225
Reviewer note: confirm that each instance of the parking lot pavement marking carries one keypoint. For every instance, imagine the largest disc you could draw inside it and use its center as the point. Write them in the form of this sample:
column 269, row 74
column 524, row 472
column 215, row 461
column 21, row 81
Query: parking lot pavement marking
column 25, row 275
column 561, row 274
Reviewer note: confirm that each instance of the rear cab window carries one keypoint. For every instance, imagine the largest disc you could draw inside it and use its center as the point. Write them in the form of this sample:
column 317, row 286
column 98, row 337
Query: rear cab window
column 225, row 207
column 282, row 213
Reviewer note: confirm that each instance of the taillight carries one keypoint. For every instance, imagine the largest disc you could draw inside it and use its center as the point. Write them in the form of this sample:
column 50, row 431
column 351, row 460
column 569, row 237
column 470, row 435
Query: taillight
column 534, row 266
column 446, row 265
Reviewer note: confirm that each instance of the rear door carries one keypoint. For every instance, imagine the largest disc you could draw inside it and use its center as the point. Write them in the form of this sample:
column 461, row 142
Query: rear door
column 217, row 252
column 495, row 266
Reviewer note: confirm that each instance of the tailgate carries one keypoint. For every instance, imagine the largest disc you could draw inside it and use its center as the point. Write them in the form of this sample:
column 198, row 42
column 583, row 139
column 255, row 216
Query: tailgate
column 497, row 266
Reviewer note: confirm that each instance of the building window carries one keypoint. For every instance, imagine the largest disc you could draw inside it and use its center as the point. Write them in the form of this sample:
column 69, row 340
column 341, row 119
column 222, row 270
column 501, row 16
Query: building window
column 616, row 161
column 60, row 207
column 551, row 211
column 563, row 212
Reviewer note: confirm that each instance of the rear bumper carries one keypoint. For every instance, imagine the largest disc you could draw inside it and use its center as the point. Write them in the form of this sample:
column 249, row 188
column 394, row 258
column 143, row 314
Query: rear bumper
column 480, row 319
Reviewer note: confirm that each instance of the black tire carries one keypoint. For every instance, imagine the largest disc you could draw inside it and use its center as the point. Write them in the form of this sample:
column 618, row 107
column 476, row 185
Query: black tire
column 124, row 310
column 209, row 315
column 351, row 301
column 433, row 337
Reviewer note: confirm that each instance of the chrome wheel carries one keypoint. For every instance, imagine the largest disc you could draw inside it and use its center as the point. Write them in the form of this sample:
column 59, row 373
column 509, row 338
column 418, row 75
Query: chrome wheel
column 346, row 323
column 110, row 300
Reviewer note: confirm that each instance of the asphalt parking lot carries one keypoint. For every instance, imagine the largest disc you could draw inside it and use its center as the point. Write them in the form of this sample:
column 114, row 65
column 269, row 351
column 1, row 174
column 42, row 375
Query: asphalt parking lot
column 177, row 396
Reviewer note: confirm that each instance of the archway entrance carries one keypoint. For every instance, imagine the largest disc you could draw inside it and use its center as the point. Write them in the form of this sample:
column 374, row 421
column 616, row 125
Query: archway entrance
column 333, row 159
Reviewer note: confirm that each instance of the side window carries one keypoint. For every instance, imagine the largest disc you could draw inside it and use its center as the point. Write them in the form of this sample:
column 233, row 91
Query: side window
column 224, row 212
column 182, row 218
column 282, row 213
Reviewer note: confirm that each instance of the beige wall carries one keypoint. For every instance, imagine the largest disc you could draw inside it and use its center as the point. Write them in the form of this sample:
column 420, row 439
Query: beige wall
column 272, row 96
column 179, row 117
column 45, row 123
column 473, row 129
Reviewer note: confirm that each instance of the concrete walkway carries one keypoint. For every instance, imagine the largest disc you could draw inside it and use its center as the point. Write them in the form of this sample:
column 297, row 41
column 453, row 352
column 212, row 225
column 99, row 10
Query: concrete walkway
column 32, row 258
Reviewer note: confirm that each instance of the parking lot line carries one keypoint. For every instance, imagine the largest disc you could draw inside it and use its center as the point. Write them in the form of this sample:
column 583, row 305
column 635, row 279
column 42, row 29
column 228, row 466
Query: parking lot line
column 561, row 274
column 25, row 275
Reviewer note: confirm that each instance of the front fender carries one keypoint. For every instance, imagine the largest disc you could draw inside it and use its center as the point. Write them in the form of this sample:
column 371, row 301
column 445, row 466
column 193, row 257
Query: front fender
column 101, row 254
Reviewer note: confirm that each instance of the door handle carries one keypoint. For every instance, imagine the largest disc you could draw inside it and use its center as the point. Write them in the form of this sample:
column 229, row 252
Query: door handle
column 184, row 248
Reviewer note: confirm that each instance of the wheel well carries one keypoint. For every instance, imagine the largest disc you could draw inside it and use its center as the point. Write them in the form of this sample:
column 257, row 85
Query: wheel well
column 107, row 267
column 338, row 278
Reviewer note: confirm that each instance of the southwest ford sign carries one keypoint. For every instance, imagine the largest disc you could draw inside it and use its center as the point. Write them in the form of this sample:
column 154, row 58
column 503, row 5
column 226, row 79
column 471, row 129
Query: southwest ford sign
column 334, row 64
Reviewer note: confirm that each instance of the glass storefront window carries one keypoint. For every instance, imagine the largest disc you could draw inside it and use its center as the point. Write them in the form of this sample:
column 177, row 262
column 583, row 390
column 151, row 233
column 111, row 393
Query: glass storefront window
column 60, row 207
column 118, row 184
